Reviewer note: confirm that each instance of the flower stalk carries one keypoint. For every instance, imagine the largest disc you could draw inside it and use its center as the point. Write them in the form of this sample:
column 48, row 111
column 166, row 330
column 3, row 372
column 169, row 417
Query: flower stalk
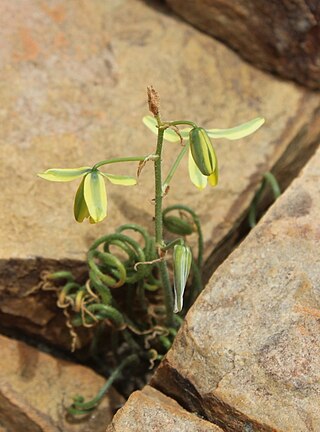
column 167, row 290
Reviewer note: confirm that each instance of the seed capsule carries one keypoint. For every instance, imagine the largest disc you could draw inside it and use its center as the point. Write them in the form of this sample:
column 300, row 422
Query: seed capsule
column 202, row 151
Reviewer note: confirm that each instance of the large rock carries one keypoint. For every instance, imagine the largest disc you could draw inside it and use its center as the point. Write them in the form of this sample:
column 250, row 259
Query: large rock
column 151, row 411
column 279, row 36
column 248, row 354
column 35, row 388
column 78, row 74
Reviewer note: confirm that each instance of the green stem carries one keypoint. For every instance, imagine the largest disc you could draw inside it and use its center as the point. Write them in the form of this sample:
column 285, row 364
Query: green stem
column 158, row 191
column 181, row 122
column 196, row 220
column 268, row 178
column 167, row 290
column 117, row 160
column 80, row 407
column 171, row 244
column 174, row 167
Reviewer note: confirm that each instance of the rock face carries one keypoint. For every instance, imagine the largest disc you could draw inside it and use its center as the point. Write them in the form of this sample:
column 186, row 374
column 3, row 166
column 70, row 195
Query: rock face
column 35, row 387
column 248, row 355
column 26, row 306
column 73, row 93
column 151, row 411
column 284, row 35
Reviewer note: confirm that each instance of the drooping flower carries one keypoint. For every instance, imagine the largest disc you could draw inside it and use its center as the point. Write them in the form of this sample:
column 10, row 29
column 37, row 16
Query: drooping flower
column 91, row 198
column 203, row 163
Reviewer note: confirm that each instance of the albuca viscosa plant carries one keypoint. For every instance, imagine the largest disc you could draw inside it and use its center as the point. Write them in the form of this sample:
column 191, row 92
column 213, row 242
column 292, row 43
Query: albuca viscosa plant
column 128, row 296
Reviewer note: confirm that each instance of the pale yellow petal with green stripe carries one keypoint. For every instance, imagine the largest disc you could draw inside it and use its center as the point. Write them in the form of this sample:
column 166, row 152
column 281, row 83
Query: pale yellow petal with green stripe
column 196, row 176
column 237, row 132
column 121, row 180
column 95, row 196
column 80, row 208
column 169, row 134
column 63, row 174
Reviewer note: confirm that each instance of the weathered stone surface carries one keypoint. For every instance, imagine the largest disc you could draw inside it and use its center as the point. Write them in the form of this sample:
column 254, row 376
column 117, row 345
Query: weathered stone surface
column 248, row 354
column 26, row 306
column 280, row 36
column 73, row 92
column 151, row 411
column 35, row 387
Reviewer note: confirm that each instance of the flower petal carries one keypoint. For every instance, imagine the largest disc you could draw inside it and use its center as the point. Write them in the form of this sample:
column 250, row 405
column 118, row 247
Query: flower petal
column 213, row 178
column 63, row 174
column 169, row 134
column 237, row 132
column 196, row 176
column 120, row 180
column 95, row 196
column 80, row 208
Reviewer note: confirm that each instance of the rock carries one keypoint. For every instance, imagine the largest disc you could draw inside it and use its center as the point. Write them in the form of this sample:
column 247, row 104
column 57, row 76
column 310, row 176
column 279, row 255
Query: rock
column 151, row 411
column 35, row 388
column 77, row 95
column 284, row 36
column 26, row 306
column 248, row 354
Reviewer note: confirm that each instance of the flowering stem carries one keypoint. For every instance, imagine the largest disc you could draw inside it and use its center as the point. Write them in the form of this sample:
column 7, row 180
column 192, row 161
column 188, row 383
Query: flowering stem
column 174, row 167
column 167, row 290
column 116, row 160
column 181, row 122
column 174, row 242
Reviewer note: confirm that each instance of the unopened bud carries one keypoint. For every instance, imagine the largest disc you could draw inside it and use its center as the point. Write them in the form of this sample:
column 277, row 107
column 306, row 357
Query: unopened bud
column 182, row 258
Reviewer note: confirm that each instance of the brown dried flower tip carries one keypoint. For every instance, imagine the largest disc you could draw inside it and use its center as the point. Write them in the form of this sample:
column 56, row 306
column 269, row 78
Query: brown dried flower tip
column 153, row 100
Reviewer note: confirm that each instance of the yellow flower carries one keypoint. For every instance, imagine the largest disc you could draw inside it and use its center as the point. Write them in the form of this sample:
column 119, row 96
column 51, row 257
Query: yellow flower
column 198, row 179
column 203, row 163
column 91, row 198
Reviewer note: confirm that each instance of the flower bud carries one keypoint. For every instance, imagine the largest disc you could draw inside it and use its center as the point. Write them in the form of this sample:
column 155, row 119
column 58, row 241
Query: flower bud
column 182, row 258
column 202, row 151
column 177, row 225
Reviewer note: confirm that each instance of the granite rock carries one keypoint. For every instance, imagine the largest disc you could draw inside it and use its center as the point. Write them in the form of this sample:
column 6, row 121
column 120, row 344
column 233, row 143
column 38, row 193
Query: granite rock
column 35, row 388
column 284, row 35
column 151, row 411
column 248, row 353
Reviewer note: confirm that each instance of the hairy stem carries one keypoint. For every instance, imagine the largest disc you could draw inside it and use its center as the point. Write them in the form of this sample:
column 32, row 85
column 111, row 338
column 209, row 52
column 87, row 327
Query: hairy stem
column 167, row 290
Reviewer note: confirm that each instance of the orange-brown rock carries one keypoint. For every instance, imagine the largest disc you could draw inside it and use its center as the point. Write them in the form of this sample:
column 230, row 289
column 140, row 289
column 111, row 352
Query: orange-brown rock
column 278, row 36
column 35, row 388
column 151, row 411
column 248, row 354
column 73, row 91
